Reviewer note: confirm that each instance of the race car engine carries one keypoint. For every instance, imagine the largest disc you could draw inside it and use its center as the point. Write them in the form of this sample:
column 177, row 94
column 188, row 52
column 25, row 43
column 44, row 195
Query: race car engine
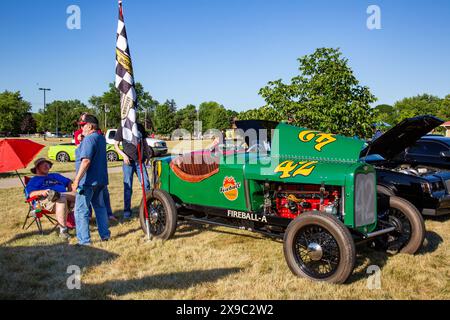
column 291, row 203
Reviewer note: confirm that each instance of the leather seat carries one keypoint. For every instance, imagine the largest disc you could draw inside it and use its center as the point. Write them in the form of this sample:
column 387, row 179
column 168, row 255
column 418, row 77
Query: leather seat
column 195, row 167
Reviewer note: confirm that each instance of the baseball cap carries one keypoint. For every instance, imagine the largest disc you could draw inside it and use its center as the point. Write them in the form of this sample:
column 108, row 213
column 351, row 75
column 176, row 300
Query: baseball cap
column 89, row 119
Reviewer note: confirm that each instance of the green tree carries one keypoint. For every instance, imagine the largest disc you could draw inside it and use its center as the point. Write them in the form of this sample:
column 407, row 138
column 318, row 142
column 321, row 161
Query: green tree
column 385, row 113
column 28, row 124
column 325, row 96
column 214, row 116
column 66, row 112
column 110, row 102
column 13, row 110
column 165, row 117
column 186, row 117
column 263, row 113
column 418, row 105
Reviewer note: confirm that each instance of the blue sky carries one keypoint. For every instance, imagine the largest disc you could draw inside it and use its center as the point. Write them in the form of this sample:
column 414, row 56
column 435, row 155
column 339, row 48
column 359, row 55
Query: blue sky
column 202, row 50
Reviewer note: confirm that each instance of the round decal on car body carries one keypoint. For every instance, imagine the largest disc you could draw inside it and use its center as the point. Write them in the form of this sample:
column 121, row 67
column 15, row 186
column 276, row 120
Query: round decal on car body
column 230, row 188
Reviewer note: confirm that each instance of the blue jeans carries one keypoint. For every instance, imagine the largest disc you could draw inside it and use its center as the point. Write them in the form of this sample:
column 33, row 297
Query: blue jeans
column 92, row 195
column 128, row 174
column 107, row 204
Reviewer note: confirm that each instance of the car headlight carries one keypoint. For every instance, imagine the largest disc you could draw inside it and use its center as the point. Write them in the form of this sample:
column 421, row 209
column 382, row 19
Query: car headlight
column 158, row 144
column 426, row 187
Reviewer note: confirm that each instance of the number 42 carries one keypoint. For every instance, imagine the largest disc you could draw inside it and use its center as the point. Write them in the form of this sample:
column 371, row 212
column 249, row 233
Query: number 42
column 292, row 169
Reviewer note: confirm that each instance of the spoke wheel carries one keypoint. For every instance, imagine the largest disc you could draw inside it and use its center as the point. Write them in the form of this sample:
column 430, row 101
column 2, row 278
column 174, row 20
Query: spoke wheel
column 158, row 216
column 316, row 251
column 162, row 215
column 319, row 247
column 409, row 226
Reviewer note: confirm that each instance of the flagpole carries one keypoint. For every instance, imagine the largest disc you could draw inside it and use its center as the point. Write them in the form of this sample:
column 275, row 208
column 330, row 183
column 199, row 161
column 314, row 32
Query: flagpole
column 144, row 194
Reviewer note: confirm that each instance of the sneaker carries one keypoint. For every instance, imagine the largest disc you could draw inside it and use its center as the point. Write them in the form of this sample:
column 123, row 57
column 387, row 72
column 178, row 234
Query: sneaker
column 79, row 245
column 127, row 217
column 65, row 235
column 113, row 218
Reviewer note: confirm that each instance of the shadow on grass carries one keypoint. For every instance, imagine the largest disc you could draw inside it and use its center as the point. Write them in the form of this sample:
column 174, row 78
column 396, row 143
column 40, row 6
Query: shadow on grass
column 431, row 243
column 40, row 271
column 170, row 281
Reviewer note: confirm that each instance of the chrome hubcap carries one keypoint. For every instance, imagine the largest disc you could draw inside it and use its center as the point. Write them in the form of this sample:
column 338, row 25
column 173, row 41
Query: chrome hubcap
column 315, row 251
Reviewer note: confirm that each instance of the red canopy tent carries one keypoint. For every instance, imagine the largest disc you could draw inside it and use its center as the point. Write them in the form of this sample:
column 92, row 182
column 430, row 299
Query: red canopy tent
column 16, row 154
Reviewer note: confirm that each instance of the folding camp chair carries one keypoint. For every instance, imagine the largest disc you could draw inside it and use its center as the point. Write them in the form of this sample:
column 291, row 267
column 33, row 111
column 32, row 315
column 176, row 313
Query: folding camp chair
column 36, row 212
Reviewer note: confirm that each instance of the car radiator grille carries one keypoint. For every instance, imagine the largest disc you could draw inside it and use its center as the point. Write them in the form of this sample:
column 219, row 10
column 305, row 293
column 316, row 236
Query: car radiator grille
column 365, row 199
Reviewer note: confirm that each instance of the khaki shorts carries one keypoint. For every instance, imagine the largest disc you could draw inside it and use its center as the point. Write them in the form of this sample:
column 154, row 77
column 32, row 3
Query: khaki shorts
column 48, row 205
column 51, row 205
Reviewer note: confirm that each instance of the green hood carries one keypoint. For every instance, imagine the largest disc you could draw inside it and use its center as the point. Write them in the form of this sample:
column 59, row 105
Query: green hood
column 300, row 143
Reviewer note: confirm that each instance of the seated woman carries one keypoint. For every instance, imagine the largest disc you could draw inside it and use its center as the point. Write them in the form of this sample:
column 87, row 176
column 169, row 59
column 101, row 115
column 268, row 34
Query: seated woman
column 55, row 189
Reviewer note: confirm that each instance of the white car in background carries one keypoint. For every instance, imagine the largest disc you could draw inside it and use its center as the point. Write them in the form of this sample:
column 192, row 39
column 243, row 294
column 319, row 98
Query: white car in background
column 159, row 146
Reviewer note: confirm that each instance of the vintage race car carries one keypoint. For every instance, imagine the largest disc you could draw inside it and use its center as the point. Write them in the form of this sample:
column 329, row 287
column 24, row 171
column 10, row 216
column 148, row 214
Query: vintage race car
column 306, row 187
column 66, row 153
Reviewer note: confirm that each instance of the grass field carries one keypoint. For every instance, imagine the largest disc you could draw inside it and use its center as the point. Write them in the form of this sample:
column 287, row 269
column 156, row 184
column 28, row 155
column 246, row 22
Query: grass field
column 200, row 263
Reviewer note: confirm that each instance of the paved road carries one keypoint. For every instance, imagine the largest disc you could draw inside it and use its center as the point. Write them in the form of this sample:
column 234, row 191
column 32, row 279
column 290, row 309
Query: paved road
column 15, row 183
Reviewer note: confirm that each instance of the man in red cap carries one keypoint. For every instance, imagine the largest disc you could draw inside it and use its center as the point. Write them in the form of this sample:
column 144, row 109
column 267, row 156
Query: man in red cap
column 78, row 136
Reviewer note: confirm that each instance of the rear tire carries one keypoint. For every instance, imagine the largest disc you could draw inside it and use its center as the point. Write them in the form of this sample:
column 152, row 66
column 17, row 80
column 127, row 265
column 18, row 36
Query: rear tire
column 62, row 157
column 319, row 247
column 162, row 214
column 410, row 232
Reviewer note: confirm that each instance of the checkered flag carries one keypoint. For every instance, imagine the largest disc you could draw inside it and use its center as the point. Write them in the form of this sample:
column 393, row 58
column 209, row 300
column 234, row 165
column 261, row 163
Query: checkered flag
column 125, row 83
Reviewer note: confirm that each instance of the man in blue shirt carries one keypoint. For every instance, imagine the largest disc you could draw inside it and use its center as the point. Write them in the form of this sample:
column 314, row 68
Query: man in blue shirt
column 91, row 182
column 44, row 184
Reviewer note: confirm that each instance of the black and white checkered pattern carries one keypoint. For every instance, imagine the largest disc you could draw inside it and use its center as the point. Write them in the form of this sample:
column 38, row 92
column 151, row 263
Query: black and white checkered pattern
column 125, row 83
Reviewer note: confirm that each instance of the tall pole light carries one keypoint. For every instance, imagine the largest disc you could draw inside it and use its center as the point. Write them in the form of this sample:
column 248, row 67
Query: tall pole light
column 45, row 98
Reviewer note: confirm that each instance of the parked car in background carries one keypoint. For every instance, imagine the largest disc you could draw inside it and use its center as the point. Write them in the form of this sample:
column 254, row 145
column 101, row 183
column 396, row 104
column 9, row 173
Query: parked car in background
column 159, row 146
column 66, row 153
column 412, row 174
column 431, row 151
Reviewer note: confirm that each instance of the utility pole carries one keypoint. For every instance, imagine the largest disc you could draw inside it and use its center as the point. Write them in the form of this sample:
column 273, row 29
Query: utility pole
column 45, row 97
column 106, row 122
column 57, row 135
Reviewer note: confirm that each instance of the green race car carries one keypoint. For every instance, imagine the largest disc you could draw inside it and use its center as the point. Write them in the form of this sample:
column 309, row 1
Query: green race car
column 66, row 152
column 303, row 186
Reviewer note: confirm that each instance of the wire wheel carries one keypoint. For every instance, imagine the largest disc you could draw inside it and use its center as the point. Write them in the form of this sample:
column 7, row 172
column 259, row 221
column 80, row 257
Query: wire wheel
column 162, row 214
column 62, row 157
column 157, row 216
column 402, row 233
column 318, row 246
column 316, row 251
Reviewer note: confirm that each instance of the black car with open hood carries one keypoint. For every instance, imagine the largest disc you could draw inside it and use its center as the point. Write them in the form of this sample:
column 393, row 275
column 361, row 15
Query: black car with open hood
column 426, row 187
column 402, row 136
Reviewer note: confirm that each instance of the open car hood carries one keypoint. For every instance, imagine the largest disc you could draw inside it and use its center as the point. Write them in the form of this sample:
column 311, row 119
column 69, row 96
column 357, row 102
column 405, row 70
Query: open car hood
column 402, row 136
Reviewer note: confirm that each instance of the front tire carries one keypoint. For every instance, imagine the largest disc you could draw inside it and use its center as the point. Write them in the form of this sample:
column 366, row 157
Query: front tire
column 162, row 214
column 319, row 247
column 112, row 156
column 410, row 228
